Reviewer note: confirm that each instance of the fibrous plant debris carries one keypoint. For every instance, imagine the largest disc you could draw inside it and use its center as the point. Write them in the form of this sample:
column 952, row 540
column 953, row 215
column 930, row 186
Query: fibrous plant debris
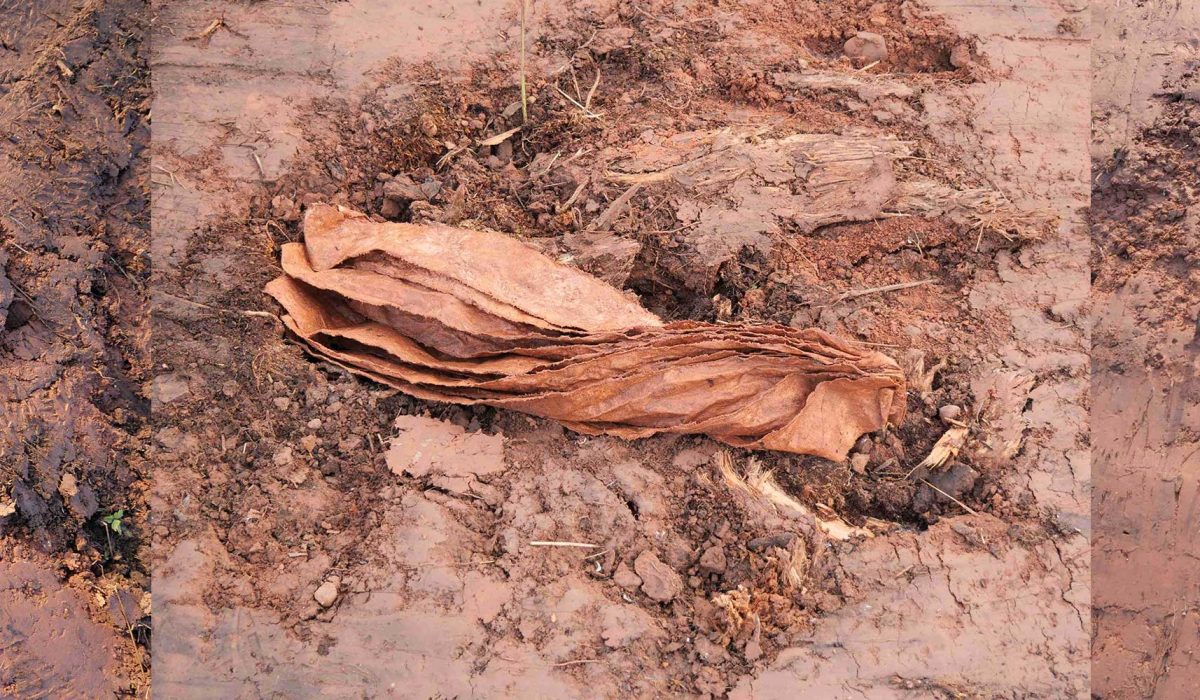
column 477, row 317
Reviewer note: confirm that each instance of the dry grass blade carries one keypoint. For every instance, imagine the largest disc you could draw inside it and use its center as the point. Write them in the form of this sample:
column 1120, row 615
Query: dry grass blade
column 499, row 138
column 586, row 112
column 880, row 290
column 587, row 101
column 760, row 484
column 946, row 448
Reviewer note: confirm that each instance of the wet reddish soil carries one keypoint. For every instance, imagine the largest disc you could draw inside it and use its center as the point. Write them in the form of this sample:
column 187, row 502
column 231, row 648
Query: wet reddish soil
column 74, row 179
column 725, row 163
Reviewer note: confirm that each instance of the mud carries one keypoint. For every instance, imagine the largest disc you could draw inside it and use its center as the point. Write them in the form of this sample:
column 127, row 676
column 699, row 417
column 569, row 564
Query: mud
column 52, row 646
column 706, row 570
column 1145, row 388
column 74, row 106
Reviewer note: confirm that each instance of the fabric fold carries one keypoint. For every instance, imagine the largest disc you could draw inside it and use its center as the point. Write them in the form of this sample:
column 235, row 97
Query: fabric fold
column 477, row 317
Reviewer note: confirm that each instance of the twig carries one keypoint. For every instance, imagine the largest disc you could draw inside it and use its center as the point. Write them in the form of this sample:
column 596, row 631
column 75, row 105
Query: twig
column 205, row 36
column 171, row 173
column 262, row 173
column 586, row 112
column 571, row 200
column 449, row 154
column 602, row 222
column 576, row 662
column 552, row 543
column 587, row 101
column 885, row 288
column 243, row 312
column 964, row 506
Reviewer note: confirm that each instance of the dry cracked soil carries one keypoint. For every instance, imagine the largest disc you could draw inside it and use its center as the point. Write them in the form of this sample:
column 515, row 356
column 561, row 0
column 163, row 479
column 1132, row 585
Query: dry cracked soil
column 999, row 196
column 725, row 162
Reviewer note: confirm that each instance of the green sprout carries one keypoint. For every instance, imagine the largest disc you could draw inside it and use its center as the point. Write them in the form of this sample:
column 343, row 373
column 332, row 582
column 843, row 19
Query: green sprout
column 112, row 521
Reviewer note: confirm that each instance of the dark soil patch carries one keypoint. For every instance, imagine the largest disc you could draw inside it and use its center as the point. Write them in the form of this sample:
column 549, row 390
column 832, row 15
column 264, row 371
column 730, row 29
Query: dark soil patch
column 74, row 239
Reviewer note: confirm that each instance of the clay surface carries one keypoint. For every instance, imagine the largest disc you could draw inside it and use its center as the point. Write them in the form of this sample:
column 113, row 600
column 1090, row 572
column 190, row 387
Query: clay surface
column 1145, row 413
column 725, row 163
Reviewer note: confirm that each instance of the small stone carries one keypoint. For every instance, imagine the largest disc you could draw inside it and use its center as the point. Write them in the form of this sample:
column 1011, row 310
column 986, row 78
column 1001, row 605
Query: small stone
column 859, row 461
column 659, row 581
column 866, row 47
column 309, row 443
column 864, row 445
column 713, row 560
column 428, row 125
column 960, row 56
column 282, row 402
column 283, row 456
column 625, row 578
column 327, row 593
column 402, row 189
column 782, row 540
column 950, row 412
column 390, row 209
column 166, row 388
column 318, row 393
column 314, row 424
column 430, row 188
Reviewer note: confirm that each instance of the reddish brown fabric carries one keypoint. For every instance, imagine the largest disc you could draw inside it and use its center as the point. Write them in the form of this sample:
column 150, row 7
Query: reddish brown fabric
column 478, row 317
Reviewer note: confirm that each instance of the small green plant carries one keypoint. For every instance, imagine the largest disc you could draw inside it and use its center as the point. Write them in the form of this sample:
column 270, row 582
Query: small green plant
column 112, row 521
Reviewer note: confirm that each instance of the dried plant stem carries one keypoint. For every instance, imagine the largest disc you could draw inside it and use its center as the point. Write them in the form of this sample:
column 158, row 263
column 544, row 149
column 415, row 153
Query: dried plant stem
column 962, row 505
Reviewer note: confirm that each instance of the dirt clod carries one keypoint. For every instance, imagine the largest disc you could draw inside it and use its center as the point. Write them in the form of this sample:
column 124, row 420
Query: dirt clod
column 659, row 581
column 866, row 47
column 713, row 560
column 626, row 578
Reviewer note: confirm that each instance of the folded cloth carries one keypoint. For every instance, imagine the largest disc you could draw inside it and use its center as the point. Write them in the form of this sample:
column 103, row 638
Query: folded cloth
column 478, row 317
